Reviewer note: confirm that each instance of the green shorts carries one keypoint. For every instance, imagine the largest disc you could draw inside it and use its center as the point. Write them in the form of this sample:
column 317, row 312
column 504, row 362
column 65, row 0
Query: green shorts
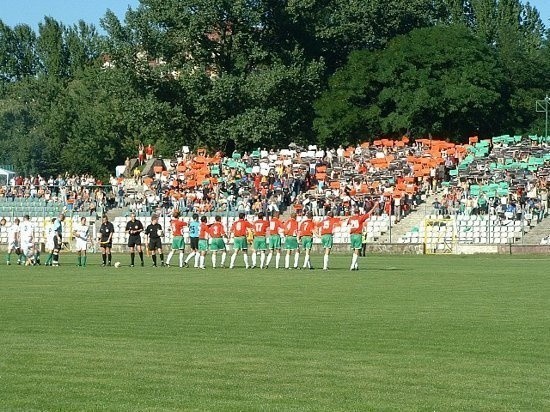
column 326, row 241
column 275, row 242
column 356, row 241
column 307, row 242
column 259, row 243
column 203, row 245
column 217, row 244
column 178, row 243
column 291, row 243
column 240, row 243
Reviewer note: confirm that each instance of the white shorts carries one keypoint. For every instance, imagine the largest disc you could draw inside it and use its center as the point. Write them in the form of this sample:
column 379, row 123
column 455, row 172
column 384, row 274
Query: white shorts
column 81, row 244
column 49, row 245
column 13, row 245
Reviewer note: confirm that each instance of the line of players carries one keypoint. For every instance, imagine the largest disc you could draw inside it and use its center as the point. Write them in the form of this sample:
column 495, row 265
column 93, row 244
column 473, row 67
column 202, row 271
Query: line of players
column 268, row 237
column 22, row 241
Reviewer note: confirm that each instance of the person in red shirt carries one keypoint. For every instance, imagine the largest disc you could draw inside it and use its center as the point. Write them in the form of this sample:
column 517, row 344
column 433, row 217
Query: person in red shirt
column 239, row 229
column 305, row 233
column 203, row 241
column 356, row 223
column 259, row 243
column 290, row 228
column 176, row 226
column 326, row 230
column 218, row 235
column 275, row 230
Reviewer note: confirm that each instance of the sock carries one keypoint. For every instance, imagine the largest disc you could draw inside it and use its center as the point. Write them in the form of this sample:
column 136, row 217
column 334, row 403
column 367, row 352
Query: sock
column 213, row 259
column 306, row 260
column 269, row 256
column 245, row 257
column 169, row 256
column 132, row 258
column 201, row 261
column 55, row 258
column 154, row 259
column 262, row 259
column 277, row 259
column 296, row 259
column 110, row 258
column 224, row 255
column 141, row 256
column 189, row 256
column 254, row 259
column 232, row 260
column 181, row 258
column 162, row 258
column 104, row 257
column 84, row 258
column 287, row 261
column 197, row 258
column 325, row 262
column 48, row 261
column 79, row 260
column 353, row 261
column 8, row 258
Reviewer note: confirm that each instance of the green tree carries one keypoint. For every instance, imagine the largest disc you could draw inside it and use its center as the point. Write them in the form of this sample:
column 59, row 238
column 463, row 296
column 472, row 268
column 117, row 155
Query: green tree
column 439, row 80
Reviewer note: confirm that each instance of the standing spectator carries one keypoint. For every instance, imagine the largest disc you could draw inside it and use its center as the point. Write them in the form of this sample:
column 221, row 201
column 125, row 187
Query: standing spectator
column 149, row 151
column 176, row 225
column 154, row 236
column 80, row 232
column 106, row 231
column 141, row 154
column 134, row 228
column 239, row 231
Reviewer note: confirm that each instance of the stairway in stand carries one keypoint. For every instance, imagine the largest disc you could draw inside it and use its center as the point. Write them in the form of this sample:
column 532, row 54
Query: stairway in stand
column 413, row 219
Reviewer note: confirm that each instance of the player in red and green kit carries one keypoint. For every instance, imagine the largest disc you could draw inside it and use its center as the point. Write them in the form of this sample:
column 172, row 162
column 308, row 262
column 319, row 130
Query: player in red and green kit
column 326, row 230
column 305, row 233
column 217, row 242
column 239, row 230
column 259, row 243
column 275, row 230
column 290, row 228
column 355, row 223
column 176, row 225
column 203, row 241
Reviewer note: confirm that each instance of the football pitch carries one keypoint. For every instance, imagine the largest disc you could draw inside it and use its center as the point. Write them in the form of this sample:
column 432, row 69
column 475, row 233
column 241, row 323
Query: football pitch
column 431, row 333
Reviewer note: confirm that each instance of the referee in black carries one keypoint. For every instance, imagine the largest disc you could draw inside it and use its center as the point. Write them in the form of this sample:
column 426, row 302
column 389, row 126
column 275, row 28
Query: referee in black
column 106, row 231
column 154, row 235
column 134, row 228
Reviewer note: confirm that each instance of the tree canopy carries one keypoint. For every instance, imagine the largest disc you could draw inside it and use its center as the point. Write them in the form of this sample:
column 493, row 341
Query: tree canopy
column 244, row 74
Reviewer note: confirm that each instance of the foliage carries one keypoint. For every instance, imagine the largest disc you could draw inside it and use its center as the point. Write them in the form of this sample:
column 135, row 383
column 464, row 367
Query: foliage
column 439, row 80
column 260, row 73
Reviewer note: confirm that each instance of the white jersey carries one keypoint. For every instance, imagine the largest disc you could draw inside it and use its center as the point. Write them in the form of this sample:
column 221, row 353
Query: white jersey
column 27, row 232
column 50, row 235
column 81, row 236
column 81, row 232
column 13, row 234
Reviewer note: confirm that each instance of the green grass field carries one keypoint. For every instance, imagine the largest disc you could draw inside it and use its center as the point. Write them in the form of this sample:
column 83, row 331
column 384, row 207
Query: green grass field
column 403, row 333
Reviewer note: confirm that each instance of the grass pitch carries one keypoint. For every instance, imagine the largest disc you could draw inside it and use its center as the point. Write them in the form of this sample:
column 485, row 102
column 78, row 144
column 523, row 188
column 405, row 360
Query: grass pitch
column 403, row 333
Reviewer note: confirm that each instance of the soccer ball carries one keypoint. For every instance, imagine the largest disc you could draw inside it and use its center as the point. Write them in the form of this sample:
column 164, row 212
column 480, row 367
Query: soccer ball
column 117, row 264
